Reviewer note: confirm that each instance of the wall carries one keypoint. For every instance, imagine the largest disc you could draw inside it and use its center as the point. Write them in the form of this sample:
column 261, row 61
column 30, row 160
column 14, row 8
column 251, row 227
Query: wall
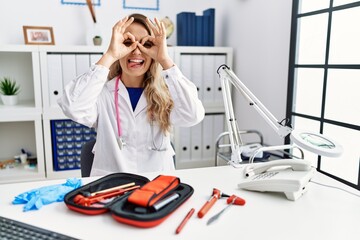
column 258, row 30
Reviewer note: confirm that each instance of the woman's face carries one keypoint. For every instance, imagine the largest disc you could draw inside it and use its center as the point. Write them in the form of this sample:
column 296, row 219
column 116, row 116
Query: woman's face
column 136, row 63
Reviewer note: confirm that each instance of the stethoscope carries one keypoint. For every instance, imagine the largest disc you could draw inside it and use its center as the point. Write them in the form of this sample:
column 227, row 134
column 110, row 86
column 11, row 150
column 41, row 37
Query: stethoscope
column 121, row 142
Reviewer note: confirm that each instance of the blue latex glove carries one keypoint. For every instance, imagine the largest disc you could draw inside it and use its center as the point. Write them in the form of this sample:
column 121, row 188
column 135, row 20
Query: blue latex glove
column 36, row 198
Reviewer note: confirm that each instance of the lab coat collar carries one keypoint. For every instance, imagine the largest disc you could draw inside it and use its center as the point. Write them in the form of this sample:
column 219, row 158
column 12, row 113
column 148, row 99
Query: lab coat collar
column 142, row 103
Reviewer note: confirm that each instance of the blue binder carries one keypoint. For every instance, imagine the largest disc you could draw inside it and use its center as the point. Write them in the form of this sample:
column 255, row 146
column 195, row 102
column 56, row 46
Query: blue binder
column 211, row 26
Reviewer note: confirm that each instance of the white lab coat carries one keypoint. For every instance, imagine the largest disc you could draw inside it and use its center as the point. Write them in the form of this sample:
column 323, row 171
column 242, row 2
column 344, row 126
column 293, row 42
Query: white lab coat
column 89, row 100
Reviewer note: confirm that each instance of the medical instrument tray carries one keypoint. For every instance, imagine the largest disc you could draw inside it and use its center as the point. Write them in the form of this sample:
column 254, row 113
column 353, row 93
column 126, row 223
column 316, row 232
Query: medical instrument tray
column 130, row 212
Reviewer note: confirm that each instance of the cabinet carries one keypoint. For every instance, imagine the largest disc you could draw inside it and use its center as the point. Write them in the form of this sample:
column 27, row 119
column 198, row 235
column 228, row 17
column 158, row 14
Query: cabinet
column 195, row 146
column 42, row 72
column 21, row 125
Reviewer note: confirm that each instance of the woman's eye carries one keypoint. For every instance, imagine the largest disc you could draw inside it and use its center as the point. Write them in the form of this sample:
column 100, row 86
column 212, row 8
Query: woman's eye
column 148, row 44
column 128, row 42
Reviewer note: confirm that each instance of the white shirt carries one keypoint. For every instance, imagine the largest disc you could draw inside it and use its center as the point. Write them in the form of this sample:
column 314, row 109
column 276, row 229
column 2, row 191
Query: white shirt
column 89, row 100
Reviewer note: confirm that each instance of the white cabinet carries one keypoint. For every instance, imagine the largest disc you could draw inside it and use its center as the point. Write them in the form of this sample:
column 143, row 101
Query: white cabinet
column 195, row 146
column 21, row 125
column 43, row 71
column 59, row 65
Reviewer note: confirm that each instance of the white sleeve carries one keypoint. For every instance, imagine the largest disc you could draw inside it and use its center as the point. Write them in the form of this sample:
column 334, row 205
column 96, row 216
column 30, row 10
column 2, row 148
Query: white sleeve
column 79, row 98
column 188, row 109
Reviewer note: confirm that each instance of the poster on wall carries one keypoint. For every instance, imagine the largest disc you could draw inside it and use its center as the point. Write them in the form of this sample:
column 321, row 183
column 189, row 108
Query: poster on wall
column 80, row 2
column 141, row 4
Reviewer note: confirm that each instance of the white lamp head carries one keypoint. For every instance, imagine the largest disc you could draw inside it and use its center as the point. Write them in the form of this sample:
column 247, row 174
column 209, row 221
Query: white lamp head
column 316, row 143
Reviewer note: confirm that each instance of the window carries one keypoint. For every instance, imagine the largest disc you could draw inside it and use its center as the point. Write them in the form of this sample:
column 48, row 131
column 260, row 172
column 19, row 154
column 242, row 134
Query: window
column 324, row 80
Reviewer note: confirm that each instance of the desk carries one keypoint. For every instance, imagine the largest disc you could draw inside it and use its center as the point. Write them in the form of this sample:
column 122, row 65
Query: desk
column 322, row 213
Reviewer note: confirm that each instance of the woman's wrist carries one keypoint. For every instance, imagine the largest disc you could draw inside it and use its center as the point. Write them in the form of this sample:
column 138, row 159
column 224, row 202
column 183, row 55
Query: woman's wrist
column 166, row 63
column 106, row 60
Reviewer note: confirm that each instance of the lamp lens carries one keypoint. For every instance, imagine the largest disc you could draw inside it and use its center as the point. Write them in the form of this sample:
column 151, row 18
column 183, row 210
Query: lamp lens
column 317, row 140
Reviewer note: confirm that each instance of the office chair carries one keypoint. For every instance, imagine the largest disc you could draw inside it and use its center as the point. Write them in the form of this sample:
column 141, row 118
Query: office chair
column 86, row 158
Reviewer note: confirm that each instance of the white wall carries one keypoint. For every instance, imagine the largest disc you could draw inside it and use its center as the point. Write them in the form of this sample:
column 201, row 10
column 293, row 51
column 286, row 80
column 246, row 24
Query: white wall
column 258, row 30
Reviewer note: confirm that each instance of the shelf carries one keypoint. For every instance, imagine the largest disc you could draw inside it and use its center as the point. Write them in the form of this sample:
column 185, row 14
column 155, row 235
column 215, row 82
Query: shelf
column 23, row 111
column 19, row 173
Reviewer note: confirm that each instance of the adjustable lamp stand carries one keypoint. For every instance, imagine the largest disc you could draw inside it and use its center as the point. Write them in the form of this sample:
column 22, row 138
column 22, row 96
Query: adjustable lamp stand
column 313, row 142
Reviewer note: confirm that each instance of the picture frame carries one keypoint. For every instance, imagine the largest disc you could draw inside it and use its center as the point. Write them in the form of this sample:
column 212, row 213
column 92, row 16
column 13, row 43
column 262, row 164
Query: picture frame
column 80, row 2
column 141, row 4
column 35, row 35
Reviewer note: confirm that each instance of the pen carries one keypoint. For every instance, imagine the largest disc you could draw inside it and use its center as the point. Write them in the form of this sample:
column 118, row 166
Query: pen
column 184, row 221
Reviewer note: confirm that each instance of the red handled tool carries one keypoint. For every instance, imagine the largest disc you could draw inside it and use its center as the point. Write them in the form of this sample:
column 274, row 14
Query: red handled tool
column 209, row 203
column 232, row 200
column 87, row 201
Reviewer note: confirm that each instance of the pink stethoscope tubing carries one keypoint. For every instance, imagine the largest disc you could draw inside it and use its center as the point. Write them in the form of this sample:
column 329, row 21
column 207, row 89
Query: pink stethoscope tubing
column 116, row 95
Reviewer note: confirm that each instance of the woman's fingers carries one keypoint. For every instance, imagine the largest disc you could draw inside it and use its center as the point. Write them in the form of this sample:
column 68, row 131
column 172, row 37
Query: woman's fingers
column 121, row 25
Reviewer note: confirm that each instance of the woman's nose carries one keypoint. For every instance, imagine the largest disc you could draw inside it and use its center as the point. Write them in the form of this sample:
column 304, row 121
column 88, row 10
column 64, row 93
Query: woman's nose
column 137, row 51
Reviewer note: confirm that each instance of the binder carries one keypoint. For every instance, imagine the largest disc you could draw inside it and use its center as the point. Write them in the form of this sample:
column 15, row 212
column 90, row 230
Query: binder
column 68, row 68
column 196, row 142
column 191, row 34
column 186, row 65
column 55, row 79
column 197, row 73
column 184, row 145
column 211, row 26
column 181, row 26
column 219, row 125
column 186, row 28
column 206, row 31
column 219, row 60
column 199, row 31
column 208, row 137
column 82, row 63
column 94, row 58
column 209, row 78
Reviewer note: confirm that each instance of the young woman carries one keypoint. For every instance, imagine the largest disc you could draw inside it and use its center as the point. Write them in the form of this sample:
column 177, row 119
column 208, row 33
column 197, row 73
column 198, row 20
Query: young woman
column 133, row 96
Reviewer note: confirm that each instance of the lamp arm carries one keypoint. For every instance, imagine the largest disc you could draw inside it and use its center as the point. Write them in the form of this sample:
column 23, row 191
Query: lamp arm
column 227, row 75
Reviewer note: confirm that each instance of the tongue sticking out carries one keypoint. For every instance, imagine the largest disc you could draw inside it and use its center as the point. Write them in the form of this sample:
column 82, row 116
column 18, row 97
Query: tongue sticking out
column 135, row 63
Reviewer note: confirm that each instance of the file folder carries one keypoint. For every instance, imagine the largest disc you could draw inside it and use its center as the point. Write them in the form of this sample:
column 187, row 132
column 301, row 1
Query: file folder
column 82, row 63
column 196, row 142
column 186, row 65
column 210, row 78
column 184, row 145
column 197, row 73
column 94, row 58
column 208, row 137
column 55, row 79
column 219, row 125
column 68, row 68
column 219, row 60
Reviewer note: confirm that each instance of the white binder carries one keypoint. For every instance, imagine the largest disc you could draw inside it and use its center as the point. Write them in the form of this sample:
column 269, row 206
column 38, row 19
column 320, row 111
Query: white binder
column 184, row 145
column 68, row 68
column 197, row 73
column 209, row 77
column 219, row 125
column 55, row 80
column 196, row 142
column 94, row 58
column 219, row 60
column 208, row 138
column 82, row 63
column 186, row 65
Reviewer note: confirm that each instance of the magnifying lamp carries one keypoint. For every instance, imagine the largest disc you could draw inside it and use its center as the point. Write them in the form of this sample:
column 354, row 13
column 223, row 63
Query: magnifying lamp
column 313, row 142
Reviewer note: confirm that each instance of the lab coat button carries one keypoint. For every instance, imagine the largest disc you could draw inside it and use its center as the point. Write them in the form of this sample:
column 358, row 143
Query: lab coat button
column 166, row 76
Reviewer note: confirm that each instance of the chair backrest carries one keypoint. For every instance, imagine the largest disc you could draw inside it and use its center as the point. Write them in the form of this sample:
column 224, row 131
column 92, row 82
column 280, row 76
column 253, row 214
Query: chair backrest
column 86, row 158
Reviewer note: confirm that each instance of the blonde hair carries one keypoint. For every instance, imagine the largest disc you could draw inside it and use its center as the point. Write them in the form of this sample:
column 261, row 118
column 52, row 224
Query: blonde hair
column 156, row 91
